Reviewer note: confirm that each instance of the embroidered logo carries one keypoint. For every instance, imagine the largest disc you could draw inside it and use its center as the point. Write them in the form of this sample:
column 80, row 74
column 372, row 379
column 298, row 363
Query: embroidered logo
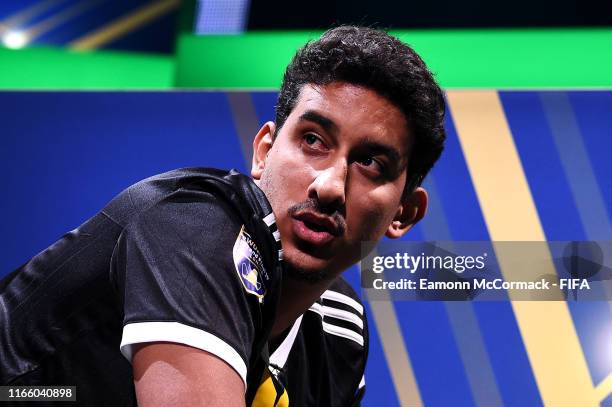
column 249, row 264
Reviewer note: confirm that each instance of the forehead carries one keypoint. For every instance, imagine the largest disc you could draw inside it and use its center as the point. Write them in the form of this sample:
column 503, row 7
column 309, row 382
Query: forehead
column 357, row 112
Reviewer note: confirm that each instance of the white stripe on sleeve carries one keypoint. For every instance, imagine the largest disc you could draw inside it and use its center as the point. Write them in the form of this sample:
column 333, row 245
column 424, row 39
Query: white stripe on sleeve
column 345, row 299
column 142, row 332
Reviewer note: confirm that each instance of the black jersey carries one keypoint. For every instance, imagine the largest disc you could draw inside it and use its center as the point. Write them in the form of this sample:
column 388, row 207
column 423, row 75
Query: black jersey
column 322, row 358
column 191, row 256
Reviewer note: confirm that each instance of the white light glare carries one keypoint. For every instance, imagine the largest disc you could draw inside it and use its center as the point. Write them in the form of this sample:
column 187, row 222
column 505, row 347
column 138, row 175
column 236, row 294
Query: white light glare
column 15, row 39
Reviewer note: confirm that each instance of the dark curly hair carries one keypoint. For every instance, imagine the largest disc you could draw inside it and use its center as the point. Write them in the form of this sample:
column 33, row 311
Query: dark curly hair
column 374, row 59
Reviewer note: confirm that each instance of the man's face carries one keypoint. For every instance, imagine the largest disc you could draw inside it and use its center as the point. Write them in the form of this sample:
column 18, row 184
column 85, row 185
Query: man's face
column 334, row 175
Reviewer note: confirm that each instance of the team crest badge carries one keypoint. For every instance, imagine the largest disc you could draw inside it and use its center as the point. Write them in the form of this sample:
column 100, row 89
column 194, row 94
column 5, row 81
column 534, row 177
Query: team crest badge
column 249, row 265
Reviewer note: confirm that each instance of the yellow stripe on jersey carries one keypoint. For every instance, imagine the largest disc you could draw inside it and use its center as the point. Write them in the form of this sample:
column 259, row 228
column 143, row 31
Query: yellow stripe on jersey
column 270, row 393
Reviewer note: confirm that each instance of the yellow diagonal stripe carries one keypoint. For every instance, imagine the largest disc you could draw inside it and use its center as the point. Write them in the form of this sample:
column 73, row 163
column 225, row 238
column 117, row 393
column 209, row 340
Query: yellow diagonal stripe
column 604, row 388
column 396, row 354
column 548, row 333
column 124, row 25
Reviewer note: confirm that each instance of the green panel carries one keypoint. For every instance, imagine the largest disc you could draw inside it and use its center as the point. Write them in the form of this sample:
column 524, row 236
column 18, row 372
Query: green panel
column 461, row 59
column 517, row 59
column 535, row 58
column 249, row 61
column 55, row 68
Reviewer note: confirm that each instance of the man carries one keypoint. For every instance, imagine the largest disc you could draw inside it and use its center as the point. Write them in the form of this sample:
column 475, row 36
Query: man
column 179, row 293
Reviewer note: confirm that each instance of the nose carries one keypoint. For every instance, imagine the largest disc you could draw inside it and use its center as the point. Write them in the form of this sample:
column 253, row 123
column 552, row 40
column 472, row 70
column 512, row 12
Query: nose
column 329, row 186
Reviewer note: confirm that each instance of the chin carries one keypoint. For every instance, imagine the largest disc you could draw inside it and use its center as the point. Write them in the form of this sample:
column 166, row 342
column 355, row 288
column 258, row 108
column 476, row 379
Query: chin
column 302, row 266
column 303, row 260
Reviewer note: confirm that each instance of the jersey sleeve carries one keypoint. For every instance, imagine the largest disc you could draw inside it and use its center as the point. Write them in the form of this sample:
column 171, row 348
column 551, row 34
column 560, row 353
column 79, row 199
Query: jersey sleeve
column 174, row 270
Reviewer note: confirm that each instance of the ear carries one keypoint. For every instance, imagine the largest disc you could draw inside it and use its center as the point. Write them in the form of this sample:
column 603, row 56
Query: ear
column 261, row 147
column 411, row 210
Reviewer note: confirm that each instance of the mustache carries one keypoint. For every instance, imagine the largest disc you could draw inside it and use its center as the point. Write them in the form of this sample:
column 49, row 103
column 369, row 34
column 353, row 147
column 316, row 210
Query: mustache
column 314, row 206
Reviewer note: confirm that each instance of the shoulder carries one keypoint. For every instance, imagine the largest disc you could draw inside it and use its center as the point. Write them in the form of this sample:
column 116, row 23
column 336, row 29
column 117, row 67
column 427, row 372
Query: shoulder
column 235, row 190
column 198, row 220
column 194, row 266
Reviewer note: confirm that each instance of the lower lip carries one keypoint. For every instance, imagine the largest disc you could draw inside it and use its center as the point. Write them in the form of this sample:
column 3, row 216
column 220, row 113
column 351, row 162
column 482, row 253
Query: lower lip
column 311, row 236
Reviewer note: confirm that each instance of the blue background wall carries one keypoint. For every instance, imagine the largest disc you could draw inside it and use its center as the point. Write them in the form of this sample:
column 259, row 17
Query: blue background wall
column 63, row 155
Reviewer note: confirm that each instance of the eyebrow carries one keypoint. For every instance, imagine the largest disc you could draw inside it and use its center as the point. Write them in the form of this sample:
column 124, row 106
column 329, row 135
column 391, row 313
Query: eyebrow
column 328, row 124
column 370, row 145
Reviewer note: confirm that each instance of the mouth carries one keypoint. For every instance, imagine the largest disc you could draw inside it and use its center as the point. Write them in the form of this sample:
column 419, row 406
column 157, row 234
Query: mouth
column 315, row 229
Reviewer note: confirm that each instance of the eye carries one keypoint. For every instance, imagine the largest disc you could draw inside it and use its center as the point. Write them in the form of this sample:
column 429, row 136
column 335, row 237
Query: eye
column 311, row 139
column 313, row 142
column 372, row 166
column 366, row 162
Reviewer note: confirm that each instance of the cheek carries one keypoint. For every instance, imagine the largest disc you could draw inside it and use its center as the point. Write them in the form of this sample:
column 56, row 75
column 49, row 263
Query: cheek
column 375, row 226
column 271, row 179
column 290, row 173
column 284, row 181
column 372, row 215
column 267, row 184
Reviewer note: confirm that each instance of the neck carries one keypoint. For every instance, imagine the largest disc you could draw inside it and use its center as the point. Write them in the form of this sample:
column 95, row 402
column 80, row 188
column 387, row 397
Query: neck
column 296, row 297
